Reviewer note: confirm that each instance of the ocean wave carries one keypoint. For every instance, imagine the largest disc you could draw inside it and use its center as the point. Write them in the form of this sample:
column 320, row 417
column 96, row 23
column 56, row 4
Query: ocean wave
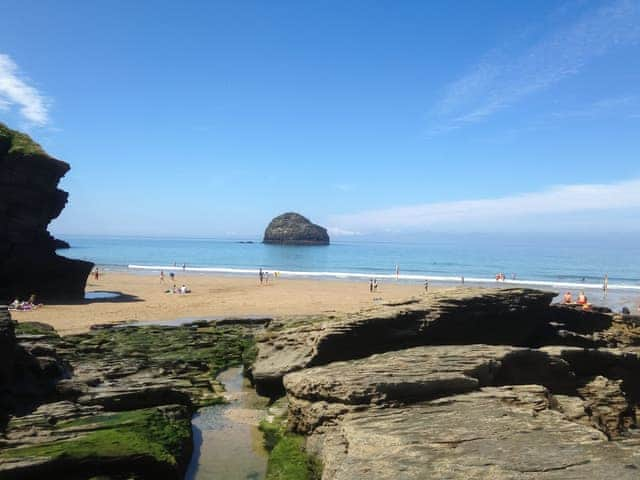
column 392, row 276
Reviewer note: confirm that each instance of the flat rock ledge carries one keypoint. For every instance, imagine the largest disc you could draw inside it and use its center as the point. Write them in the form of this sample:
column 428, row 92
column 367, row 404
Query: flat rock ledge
column 465, row 383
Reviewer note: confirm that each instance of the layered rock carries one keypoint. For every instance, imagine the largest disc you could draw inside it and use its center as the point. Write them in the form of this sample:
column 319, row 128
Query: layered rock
column 506, row 432
column 121, row 407
column 294, row 229
column 457, row 316
column 28, row 373
column 29, row 200
column 502, row 385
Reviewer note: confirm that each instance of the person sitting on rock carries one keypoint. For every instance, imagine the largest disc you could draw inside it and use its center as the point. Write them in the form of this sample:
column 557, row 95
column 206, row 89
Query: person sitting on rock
column 582, row 299
column 568, row 298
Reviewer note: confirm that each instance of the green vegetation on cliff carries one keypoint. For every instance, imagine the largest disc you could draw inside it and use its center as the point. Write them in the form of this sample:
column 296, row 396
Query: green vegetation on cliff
column 12, row 141
column 288, row 459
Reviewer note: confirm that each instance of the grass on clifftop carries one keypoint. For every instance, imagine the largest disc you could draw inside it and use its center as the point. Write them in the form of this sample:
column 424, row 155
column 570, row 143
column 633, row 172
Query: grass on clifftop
column 288, row 459
column 18, row 142
column 145, row 432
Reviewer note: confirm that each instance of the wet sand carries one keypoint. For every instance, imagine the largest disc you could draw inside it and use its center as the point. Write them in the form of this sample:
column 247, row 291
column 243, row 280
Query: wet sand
column 144, row 299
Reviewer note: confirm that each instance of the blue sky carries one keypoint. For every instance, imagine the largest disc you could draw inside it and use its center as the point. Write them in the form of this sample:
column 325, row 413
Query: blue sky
column 209, row 118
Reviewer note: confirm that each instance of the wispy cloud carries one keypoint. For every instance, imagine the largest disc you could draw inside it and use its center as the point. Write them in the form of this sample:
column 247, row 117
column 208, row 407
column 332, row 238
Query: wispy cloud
column 500, row 80
column 601, row 107
column 14, row 90
column 474, row 214
column 344, row 187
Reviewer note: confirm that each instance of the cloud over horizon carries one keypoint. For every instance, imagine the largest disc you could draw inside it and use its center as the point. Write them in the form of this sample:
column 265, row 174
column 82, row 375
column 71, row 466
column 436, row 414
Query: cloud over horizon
column 497, row 83
column 480, row 214
column 14, row 90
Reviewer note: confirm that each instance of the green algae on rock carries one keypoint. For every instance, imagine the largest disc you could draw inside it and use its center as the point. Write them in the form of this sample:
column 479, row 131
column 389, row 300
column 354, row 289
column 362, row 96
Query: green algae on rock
column 124, row 406
column 288, row 457
column 138, row 442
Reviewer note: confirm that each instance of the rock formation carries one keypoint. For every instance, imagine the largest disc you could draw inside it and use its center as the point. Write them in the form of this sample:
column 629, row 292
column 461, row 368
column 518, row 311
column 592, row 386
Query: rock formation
column 114, row 402
column 29, row 200
column 294, row 229
column 463, row 383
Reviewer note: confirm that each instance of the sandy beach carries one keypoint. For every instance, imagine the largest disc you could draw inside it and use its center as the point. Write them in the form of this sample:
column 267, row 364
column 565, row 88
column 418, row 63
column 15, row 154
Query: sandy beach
column 144, row 299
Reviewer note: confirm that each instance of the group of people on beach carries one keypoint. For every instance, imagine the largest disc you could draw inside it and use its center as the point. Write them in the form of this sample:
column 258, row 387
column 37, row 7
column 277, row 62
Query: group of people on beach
column 501, row 277
column 567, row 299
column 26, row 305
column 263, row 276
column 181, row 291
column 172, row 276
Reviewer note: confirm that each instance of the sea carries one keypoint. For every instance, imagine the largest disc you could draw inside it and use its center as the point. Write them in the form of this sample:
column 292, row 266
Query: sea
column 560, row 262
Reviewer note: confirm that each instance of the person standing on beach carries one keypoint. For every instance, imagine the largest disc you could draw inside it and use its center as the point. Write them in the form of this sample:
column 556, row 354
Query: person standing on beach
column 397, row 271
column 260, row 275
column 371, row 285
column 375, row 284
column 96, row 274
column 161, row 276
column 172, row 276
column 605, row 285
column 426, row 285
column 184, row 266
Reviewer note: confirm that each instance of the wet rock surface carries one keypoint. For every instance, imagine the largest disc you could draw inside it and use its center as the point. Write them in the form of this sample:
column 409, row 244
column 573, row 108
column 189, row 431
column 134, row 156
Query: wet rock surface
column 29, row 200
column 462, row 384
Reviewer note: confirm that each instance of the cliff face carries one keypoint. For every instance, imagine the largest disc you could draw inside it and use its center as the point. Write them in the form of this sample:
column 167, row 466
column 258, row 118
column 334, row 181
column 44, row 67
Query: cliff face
column 294, row 229
column 29, row 200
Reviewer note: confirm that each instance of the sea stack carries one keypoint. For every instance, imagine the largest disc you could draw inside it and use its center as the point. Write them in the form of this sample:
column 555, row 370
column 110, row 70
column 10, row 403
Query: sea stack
column 293, row 229
column 29, row 200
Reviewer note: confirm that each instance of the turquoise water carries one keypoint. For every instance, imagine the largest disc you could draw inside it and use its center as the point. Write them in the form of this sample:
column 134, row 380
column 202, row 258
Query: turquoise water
column 552, row 259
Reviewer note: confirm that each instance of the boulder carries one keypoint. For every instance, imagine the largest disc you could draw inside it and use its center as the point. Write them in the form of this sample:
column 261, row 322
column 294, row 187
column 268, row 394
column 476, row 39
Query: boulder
column 29, row 200
column 294, row 229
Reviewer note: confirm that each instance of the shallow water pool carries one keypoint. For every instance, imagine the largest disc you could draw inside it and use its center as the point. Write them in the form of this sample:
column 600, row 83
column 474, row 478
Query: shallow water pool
column 227, row 442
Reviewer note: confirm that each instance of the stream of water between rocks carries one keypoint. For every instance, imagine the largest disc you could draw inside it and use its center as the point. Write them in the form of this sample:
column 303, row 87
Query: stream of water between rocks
column 227, row 442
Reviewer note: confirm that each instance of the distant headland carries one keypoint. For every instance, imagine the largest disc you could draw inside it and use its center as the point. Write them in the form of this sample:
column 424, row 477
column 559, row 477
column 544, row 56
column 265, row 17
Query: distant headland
column 293, row 229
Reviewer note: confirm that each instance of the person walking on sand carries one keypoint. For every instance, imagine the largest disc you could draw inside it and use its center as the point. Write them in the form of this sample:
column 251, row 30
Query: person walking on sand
column 161, row 276
column 426, row 285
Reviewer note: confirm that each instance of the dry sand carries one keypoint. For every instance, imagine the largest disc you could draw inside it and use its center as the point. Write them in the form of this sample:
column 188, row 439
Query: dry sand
column 216, row 296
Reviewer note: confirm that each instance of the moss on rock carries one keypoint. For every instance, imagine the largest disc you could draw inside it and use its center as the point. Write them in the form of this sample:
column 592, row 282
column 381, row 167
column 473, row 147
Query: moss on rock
column 288, row 458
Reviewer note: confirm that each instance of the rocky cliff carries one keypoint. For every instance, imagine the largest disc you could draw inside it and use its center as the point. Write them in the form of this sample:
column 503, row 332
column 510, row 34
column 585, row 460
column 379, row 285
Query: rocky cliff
column 458, row 384
column 294, row 229
column 29, row 200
